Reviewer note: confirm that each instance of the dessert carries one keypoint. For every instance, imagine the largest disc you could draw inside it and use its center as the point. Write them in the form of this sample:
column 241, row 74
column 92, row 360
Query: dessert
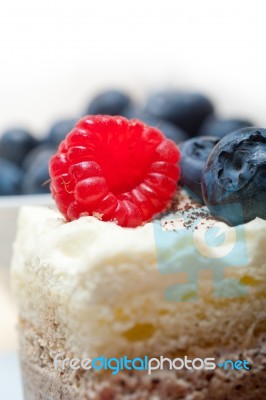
column 92, row 280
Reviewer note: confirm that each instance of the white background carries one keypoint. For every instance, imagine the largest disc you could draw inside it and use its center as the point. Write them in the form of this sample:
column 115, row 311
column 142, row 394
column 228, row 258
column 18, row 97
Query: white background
column 55, row 54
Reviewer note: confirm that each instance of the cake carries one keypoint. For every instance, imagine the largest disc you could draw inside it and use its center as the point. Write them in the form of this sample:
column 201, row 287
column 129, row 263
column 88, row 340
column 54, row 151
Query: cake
column 91, row 289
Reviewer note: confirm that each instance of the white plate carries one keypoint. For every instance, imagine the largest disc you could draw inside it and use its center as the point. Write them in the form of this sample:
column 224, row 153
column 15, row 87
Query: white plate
column 11, row 386
column 9, row 207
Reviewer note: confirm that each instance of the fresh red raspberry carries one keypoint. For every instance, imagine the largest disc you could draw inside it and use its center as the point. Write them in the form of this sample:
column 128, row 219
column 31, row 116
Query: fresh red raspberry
column 115, row 169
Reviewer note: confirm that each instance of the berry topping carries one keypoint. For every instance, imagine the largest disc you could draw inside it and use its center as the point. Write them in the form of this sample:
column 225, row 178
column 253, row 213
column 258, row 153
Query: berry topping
column 15, row 144
column 213, row 126
column 36, row 169
column 186, row 110
column 115, row 169
column 10, row 178
column 110, row 102
column 235, row 175
column 60, row 129
column 195, row 153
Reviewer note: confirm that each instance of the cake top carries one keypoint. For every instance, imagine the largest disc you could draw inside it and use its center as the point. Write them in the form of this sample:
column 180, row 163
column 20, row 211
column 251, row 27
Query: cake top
column 128, row 172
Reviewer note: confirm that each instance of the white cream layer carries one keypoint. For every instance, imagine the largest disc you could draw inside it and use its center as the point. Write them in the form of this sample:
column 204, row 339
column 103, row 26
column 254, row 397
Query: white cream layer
column 98, row 287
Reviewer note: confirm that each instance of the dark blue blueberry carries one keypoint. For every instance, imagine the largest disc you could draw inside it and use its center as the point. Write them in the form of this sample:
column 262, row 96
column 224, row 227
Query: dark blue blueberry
column 10, row 178
column 170, row 130
column 110, row 102
column 213, row 126
column 36, row 178
column 184, row 109
column 194, row 154
column 42, row 152
column 15, row 144
column 234, row 178
column 134, row 112
column 60, row 129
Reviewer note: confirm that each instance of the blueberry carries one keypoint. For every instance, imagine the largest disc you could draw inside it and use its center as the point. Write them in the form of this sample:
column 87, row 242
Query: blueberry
column 213, row 126
column 234, row 178
column 194, row 154
column 42, row 152
column 15, row 144
column 10, row 178
column 170, row 130
column 60, row 129
column 111, row 102
column 36, row 179
column 186, row 110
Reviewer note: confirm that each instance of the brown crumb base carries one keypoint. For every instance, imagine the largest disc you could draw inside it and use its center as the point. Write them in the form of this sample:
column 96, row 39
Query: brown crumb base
column 43, row 382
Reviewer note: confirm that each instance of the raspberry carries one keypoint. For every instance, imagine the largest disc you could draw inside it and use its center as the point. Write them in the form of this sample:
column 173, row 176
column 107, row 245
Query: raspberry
column 115, row 169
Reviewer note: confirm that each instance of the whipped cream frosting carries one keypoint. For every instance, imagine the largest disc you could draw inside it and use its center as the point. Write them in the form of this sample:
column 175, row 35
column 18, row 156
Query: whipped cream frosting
column 104, row 289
